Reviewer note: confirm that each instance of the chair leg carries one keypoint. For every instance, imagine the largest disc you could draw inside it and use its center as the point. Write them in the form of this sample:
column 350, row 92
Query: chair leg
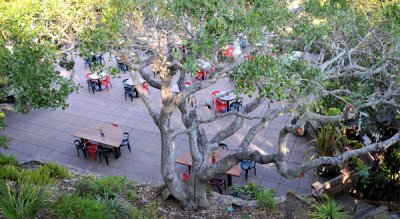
column 84, row 153
column 255, row 169
column 100, row 156
column 224, row 184
column 129, row 147
column 247, row 171
column 105, row 156
column 125, row 96
column 77, row 150
column 220, row 190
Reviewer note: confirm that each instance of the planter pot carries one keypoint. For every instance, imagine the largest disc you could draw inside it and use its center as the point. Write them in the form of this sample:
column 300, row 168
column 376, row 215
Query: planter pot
column 328, row 170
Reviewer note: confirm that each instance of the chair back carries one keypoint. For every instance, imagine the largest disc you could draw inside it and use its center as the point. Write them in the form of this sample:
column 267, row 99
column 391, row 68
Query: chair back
column 108, row 78
column 187, row 84
column 214, row 93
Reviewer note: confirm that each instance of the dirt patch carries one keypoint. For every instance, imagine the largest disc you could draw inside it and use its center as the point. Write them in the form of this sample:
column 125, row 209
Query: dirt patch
column 292, row 208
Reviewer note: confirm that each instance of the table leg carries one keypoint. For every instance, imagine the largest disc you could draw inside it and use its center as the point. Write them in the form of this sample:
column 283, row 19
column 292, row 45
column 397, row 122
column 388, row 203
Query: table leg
column 190, row 167
column 98, row 81
column 229, row 180
column 117, row 153
column 229, row 106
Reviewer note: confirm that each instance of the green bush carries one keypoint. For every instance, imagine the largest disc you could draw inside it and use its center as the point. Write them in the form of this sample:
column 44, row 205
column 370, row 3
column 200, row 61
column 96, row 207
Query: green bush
column 111, row 185
column 24, row 201
column 328, row 209
column 87, row 188
column 9, row 172
column 36, row 177
column 117, row 207
column 265, row 198
column 8, row 159
column 72, row 206
column 54, row 170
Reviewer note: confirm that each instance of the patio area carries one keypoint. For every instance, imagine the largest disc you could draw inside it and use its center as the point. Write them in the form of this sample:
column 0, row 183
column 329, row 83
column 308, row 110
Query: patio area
column 48, row 134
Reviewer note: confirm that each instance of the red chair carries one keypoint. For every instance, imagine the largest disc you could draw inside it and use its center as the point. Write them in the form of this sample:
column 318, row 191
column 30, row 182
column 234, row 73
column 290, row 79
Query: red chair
column 200, row 76
column 106, row 82
column 91, row 148
column 187, row 84
column 213, row 94
column 184, row 177
column 146, row 87
column 220, row 106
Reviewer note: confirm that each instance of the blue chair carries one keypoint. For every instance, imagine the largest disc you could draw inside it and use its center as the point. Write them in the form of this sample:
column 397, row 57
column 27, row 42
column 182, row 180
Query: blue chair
column 236, row 105
column 246, row 165
column 223, row 146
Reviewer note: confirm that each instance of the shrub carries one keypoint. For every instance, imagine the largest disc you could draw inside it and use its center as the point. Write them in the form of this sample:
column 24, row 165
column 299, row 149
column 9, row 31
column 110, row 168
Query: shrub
column 111, row 185
column 328, row 209
column 36, row 177
column 8, row 159
column 149, row 211
column 24, row 201
column 55, row 170
column 265, row 198
column 72, row 206
column 117, row 207
column 9, row 172
column 87, row 188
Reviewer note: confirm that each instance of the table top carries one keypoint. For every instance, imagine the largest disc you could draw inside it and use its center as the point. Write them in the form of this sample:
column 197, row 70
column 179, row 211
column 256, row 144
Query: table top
column 113, row 136
column 186, row 159
column 204, row 65
column 228, row 97
column 95, row 76
column 130, row 81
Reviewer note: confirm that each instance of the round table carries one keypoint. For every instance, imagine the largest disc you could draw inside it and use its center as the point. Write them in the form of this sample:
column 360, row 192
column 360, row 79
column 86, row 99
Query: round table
column 130, row 82
column 97, row 76
column 204, row 65
column 228, row 97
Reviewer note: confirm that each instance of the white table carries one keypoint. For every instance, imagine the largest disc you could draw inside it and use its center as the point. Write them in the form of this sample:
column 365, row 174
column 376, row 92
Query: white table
column 204, row 65
column 228, row 97
column 97, row 76
column 130, row 82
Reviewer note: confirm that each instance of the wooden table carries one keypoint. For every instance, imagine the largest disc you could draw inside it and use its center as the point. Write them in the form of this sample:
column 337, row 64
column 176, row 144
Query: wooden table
column 186, row 159
column 113, row 136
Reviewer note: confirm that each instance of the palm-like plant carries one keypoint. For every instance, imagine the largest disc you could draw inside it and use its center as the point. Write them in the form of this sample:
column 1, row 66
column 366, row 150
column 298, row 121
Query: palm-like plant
column 329, row 209
column 329, row 141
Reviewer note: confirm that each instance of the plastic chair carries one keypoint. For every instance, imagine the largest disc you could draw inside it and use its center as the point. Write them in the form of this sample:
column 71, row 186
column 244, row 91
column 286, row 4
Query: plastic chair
column 125, row 142
column 184, row 177
column 246, row 165
column 146, row 87
column 91, row 83
column 91, row 148
column 200, row 76
column 80, row 146
column 106, row 82
column 103, row 152
column 220, row 106
column 237, row 104
column 217, row 184
column 213, row 94
column 223, row 146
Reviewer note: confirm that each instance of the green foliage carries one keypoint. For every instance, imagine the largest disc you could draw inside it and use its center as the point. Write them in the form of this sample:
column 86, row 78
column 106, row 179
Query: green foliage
column 23, row 201
column 71, row 206
column 329, row 141
column 328, row 209
column 111, row 185
column 8, row 160
column 4, row 141
column 35, row 177
column 265, row 198
column 117, row 207
column 54, row 170
column 87, row 188
column 9, row 172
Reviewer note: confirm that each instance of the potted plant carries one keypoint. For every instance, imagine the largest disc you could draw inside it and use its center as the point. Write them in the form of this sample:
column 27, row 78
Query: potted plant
column 328, row 142
column 101, row 130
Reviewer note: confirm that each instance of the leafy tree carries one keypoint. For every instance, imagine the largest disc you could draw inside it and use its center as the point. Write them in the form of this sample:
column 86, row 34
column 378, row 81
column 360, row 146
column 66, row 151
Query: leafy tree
column 356, row 66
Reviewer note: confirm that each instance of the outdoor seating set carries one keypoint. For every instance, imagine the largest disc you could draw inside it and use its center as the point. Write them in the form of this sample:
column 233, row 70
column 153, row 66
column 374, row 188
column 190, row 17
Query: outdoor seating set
column 94, row 60
column 222, row 102
column 219, row 154
column 100, row 140
column 95, row 81
column 130, row 89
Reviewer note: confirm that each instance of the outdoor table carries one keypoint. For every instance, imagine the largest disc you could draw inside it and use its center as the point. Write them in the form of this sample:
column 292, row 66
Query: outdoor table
column 113, row 135
column 204, row 65
column 130, row 82
column 228, row 97
column 186, row 159
column 96, row 76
